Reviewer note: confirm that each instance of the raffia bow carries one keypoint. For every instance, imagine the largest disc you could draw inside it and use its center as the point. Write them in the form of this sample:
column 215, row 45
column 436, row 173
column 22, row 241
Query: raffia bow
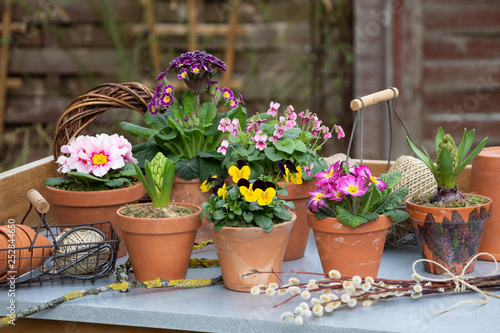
column 460, row 281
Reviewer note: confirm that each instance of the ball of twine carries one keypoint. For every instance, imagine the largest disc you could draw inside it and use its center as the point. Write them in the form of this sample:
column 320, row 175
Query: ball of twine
column 414, row 174
column 74, row 242
column 337, row 157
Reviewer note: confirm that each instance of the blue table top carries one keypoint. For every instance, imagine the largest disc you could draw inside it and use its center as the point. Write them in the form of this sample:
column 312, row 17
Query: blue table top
column 217, row 309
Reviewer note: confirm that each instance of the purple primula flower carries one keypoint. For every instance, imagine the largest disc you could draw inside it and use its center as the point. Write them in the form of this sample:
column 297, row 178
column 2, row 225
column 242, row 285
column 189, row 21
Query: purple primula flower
column 152, row 107
column 351, row 185
column 240, row 98
column 330, row 176
column 168, row 89
column 227, row 94
column 161, row 76
column 183, row 74
column 196, row 69
column 165, row 100
column 233, row 103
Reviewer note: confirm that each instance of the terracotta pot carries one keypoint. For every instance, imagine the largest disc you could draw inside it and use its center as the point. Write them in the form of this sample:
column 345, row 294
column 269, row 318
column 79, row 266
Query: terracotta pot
column 160, row 248
column 351, row 251
column 42, row 248
column 448, row 236
column 241, row 249
column 188, row 191
column 298, row 194
column 4, row 246
column 77, row 207
column 22, row 259
column 485, row 180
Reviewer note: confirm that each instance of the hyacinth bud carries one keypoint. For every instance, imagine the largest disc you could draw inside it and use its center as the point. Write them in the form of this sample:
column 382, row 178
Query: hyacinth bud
column 447, row 142
column 158, row 168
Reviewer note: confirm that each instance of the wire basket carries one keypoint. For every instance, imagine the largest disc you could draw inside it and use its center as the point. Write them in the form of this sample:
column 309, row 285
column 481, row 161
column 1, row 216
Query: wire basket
column 59, row 259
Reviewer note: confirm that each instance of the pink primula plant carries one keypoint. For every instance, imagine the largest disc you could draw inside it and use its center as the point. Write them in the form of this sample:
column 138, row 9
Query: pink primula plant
column 355, row 196
column 90, row 159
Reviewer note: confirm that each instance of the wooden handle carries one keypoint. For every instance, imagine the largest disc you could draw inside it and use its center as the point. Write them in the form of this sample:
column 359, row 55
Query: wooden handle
column 375, row 98
column 40, row 204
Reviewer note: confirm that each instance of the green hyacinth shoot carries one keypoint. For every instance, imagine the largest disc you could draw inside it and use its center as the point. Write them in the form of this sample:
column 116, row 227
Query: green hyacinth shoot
column 159, row 179
column 450, row 162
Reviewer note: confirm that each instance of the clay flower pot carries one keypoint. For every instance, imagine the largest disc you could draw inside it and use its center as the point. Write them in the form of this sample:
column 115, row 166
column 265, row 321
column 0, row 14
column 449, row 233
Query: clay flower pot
column 485, row 180
column 160, row 248
column 77, row 207
column 42, row 248
column 188, row 191
column 242, row 249
column 298, row 194
column 351, row 251
column 22, row 260
column 448, row 236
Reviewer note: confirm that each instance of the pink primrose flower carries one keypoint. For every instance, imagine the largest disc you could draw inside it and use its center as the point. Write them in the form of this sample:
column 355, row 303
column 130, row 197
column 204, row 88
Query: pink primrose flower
column 351, row 185
column 317, row 200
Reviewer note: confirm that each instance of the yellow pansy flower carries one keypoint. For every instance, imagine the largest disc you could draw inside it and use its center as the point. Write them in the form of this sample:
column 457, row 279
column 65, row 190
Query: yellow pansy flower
column 238, row 174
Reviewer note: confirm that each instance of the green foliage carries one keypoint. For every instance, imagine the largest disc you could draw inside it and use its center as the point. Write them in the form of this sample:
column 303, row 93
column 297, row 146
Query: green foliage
column 159, row 179
column 450, row 159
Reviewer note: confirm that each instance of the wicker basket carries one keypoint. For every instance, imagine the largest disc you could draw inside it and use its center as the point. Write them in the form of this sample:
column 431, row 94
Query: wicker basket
column 82, row 111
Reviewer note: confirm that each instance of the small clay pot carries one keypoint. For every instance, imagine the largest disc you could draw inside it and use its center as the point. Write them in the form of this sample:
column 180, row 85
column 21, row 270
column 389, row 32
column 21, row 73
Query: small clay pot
column 42, row 248
column 351, row 251
column 22, row 254
column 298, row 194
column 4, row 247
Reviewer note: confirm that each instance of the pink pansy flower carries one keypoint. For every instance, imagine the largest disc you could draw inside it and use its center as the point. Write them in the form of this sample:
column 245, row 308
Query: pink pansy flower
column 273, row 139
column 317, row 200
column 339, row 131
column 260, row 141
column 224, row 124
column 280, row 130
column 292, row 116
column 273, row 109
column 235, row 126
column 351, row 185
column 223, row 147
column 326, row 132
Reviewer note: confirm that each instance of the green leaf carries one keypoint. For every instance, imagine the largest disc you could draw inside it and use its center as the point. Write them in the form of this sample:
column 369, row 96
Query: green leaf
column 177, row 110
column 439, row 138
column 282, row 213
column 391, row 179
column 424, row 157
column 469, row 159
column 128, row 170
column 116, row 182
column 287, row 146
column 370, row 216
column 272, row 154
column 155, row 121
column 300, row 146
column 397, row 215
column 207, row 113
column 465, row 144
column 218, row 215
column 349, row 219
column 138, row 131
column 248, row 217
column 57, row 181
column 289, row 204
column 209, row 167
column 145, row 151
column 370, row 198
column 188, row 103
column 239, row 113
column 86, row 178
column 292, row 133
column 256, row 171
column 188, row 170
column 264, row 222
column 256, row 155
column 391, row 201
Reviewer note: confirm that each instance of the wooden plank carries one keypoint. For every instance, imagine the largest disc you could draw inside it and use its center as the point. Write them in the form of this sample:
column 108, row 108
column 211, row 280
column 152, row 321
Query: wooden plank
column 462, row 19
column 15, row 183
column 41, row 109
column 453, row 75
column 482, row 99
column 452, row 47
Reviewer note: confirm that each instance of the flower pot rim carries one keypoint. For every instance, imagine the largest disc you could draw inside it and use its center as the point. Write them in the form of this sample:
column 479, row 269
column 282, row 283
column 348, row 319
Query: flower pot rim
column 234, row 229
column 327, row 225
column 196, row 207
column 94, row 192
column 433, row 209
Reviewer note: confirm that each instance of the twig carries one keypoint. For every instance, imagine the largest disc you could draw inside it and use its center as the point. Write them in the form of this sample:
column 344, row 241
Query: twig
column 121, row 286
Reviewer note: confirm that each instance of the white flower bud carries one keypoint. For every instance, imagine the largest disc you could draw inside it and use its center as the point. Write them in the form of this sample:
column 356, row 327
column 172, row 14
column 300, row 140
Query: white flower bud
column 298, row 320
column 417, row 288
column 293, row 281
column 352, row 302
column 367, row 303
column 334, row 274
column 299, row 310
column 305, row 294
column 287, row 316
column 255, row 290
column 318, row 310
column 345, row 298
column 270, row 291
column 357, row 280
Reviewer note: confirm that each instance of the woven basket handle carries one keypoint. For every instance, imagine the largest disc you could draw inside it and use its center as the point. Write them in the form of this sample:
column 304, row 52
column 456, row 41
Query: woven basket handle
column 375, row 98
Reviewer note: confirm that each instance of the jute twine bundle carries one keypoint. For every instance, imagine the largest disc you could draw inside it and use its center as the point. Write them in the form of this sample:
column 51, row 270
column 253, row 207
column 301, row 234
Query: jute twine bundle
column 414, row 174
column 337, row 157
column 78, row 238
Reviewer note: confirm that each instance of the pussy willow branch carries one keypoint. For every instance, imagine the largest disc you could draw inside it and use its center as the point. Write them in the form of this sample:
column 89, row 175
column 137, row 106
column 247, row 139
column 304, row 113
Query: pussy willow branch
column 121, row 286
